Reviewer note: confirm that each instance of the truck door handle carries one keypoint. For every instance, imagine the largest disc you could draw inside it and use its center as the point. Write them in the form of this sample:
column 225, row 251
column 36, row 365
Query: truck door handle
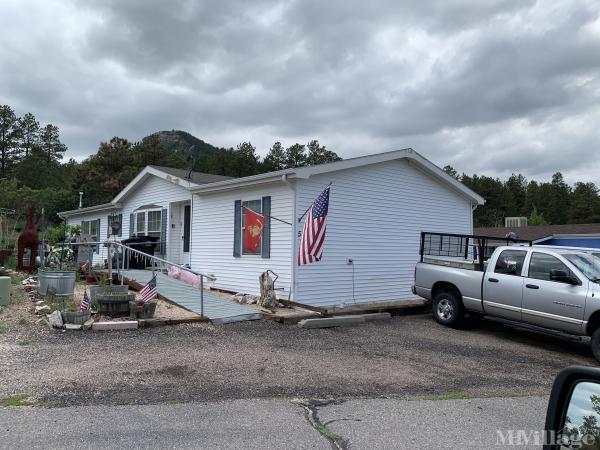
column 532, row 286
column 493, row 280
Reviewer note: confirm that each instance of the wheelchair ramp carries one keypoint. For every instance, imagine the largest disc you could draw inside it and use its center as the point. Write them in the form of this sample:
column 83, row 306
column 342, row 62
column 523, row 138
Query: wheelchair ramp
column 217, row 309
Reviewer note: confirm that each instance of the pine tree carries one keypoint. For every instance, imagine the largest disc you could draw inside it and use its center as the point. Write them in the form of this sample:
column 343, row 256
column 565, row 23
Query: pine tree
column 9, row 135
column 30, row 134
column 318, row 154
column 50, row 145
column 275, row 159
column 295, row 156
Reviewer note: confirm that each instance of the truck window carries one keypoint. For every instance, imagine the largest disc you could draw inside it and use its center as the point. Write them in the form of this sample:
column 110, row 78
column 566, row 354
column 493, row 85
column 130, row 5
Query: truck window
column 542, row 264
column 510, row 262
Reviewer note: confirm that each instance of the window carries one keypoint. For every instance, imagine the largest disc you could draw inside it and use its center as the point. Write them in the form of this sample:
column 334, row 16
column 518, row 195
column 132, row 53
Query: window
column 148, row 222
column 588, row 264
column 541, row 266
column 510, row 262
column 256, row 206
column 140, row 223
column 89, row 228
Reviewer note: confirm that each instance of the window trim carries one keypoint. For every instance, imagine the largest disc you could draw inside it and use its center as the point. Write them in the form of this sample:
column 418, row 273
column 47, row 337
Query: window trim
column 89, row 227
column 146, row 212
column 243, row 251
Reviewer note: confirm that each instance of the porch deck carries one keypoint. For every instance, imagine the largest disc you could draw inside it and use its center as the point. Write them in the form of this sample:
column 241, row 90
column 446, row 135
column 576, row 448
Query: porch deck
column 217, row 309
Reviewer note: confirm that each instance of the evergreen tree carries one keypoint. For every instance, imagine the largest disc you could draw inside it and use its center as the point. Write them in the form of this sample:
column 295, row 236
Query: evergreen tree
column 295, row 156
column 585, row 204
column 276, row 158
column 29, row 135
column 558, row 212
column 9, row 135
column 50, row 145
column 451, row 171
column 246, row 160
column 318, row 154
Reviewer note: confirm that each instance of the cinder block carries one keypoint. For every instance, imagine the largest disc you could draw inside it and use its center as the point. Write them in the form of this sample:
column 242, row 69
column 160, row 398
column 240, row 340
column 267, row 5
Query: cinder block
column 328, row 322
column 121, row 325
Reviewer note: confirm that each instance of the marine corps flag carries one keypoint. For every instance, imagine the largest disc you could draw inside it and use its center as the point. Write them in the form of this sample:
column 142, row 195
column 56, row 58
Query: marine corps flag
column 253, row 227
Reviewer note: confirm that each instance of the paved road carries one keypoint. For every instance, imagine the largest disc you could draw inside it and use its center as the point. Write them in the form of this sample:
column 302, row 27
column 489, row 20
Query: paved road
column 265, row 424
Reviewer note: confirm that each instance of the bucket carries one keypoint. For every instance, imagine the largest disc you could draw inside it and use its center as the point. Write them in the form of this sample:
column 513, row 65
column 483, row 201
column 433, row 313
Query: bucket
column 62, row 282
column 4, row 291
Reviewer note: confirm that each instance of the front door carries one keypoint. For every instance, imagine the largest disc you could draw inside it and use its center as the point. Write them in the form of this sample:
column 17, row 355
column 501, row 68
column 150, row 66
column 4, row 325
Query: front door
column 503, row 287
column 549, row 303
column 186, row 233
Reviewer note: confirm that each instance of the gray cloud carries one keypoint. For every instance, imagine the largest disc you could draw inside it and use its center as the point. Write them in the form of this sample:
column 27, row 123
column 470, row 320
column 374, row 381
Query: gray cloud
column 494, row 87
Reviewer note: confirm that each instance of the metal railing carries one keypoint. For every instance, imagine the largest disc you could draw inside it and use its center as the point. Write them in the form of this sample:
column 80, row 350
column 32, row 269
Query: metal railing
column 156, row 263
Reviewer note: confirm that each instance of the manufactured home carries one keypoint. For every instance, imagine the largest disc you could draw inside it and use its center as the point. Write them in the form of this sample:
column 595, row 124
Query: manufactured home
column 378, row 206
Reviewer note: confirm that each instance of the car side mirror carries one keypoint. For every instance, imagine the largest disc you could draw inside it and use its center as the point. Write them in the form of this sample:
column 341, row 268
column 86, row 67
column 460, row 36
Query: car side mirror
column 573, row 415
column 562, row 277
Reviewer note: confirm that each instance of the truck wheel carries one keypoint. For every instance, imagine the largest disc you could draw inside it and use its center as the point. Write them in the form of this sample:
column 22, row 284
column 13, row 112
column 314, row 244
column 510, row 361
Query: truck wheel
column 448, row 309
column 595, row 344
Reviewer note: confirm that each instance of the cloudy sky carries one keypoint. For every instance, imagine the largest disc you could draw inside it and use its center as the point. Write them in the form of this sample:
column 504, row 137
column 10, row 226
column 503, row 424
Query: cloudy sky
column 489, row 86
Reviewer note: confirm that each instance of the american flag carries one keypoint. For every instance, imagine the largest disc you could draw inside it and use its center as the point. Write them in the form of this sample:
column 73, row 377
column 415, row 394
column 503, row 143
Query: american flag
column 313, row 233
column 85, row 302
column 149, row 291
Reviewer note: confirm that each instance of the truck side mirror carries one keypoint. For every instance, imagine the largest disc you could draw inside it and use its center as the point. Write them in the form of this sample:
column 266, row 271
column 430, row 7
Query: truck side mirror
column 573, row 411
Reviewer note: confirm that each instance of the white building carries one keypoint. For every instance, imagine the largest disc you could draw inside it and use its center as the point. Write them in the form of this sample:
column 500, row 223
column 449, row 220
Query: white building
column 378, row 206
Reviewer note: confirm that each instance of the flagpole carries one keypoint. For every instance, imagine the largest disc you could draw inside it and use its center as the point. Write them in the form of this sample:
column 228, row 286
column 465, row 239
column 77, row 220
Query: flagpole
column 271, row 217
column 300, row 219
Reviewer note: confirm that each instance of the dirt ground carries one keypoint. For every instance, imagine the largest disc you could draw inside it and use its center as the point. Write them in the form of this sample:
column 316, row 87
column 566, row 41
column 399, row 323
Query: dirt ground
column 408, row 356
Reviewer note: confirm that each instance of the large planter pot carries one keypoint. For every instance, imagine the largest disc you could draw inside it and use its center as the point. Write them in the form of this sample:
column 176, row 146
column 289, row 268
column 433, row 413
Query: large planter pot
column 76, row 317
column 63, row 283
column 142, row 311
column 114, row 303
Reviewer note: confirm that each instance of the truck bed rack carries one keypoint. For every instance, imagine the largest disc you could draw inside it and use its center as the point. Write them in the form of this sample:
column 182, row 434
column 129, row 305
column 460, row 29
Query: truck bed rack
column 466, row 249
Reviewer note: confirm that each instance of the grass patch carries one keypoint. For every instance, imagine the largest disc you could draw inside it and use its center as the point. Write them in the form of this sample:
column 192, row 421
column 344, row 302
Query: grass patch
column 16, row 400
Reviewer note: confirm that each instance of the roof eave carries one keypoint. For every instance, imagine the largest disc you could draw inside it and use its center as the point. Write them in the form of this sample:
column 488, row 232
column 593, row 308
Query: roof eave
column 89, row 209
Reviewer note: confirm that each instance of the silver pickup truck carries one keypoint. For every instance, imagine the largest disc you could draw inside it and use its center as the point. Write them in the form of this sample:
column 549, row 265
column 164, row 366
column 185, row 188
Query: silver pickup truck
column 548, row 287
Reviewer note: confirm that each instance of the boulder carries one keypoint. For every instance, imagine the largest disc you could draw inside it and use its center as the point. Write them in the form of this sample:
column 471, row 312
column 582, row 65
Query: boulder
column 55, row 320
column 87, row 325
column 267, row 298
column 43, row 309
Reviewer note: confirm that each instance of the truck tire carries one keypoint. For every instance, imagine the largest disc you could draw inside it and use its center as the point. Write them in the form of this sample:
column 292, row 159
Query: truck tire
column 448, row 309
column 595, row 343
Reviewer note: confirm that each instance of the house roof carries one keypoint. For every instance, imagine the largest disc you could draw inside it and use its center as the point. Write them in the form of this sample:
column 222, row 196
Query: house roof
column 195, row 177
column 90, row 209
column 175, row 176
column 534, row 233
column 408, row 154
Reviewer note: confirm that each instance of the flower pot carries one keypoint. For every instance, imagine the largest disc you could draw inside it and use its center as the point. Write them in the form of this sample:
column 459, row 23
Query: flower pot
column 143, row 310
column 63, row 283
column 114, row 304
column 76, row 317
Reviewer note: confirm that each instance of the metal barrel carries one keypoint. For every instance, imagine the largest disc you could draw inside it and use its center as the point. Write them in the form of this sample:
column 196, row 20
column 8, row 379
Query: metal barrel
column 62, row 282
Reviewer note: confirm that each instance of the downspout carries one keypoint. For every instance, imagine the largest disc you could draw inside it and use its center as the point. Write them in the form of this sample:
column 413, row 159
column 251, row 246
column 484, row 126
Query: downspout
column 284, row 179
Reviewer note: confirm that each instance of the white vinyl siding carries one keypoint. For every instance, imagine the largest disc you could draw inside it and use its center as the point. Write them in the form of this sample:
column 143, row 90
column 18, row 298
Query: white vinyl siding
column 212, row 239
column 376, row 215
column 92, row 218
column 158, row 192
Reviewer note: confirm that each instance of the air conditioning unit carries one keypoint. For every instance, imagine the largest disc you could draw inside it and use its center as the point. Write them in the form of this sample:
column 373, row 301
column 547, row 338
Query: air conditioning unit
column 515, row 222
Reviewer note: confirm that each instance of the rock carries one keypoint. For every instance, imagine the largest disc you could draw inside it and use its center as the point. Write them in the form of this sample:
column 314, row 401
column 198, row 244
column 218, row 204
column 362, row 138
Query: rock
column 43, row 309
column 55, row 320
column 40, row 302
column 87, row 325
column 267, row 298
column 251, row 299
column 239, row 298
column 72, row 326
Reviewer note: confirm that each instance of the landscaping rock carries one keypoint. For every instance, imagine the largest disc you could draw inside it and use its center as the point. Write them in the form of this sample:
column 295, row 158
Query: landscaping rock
column 87, row 325
column 107, row 326
column 55, row 320
column 72, row 326
column 40, row 302
column 43, row 309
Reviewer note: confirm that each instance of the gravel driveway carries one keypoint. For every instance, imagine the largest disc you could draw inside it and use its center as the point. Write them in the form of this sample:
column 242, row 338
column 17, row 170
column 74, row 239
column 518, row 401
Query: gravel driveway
column 408, row 356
